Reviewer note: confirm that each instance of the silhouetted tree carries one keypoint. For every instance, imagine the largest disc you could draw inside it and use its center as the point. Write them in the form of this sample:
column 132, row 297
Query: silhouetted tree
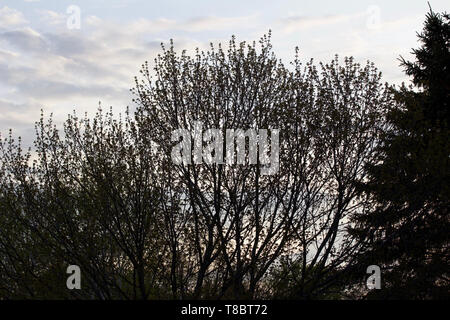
column 242, row 221
column 407, row 233
column 107, row 196
column 88, row 198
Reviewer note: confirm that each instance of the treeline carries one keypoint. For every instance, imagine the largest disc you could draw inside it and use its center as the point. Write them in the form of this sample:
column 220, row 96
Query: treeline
column 363, row 180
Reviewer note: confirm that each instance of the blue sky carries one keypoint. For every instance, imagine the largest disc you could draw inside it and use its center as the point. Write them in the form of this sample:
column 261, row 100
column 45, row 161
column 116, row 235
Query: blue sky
column 45, row 64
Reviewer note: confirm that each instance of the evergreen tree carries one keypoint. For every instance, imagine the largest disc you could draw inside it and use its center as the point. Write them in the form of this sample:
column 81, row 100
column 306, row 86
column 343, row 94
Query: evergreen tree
column 407, row 232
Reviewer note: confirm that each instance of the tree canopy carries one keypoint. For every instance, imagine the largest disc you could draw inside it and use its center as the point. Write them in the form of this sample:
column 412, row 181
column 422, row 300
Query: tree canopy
column 362, row 180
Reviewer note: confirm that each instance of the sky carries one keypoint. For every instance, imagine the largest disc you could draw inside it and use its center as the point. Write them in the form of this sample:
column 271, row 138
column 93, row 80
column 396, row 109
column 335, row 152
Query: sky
column 60, row 55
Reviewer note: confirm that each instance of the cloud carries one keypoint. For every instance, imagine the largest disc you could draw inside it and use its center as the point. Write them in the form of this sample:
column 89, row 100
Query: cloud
column 150, row 26
column 218, row 23
column 6, row 55
column 17, row 116
column 198, row 24
column 44, row 65
column 60, row 69
column 291, row 24
column 14, row 114
column 11, row 18
column 25, row 39
column 51, row 17
column 93, row 21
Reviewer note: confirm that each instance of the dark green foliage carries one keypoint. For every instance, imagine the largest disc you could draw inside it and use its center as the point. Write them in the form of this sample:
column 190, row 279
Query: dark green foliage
column 408, row 232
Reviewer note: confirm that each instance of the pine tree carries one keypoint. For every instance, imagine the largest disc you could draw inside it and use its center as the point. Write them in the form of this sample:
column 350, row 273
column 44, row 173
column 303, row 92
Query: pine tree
column 407, row 233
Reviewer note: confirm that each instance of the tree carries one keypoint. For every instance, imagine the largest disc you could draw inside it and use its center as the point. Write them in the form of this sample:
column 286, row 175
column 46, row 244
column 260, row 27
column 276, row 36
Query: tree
column 407, row 232
column 107, row 195
column 242, row 221
column 88, row 199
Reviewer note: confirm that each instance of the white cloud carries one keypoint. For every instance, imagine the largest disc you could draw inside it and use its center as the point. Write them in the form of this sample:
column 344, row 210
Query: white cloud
column 218, row 23
column 93, row 21
column 291, row 24
column 60, row 69
column 11, row 18
column 52, row 17
column 147, row 26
